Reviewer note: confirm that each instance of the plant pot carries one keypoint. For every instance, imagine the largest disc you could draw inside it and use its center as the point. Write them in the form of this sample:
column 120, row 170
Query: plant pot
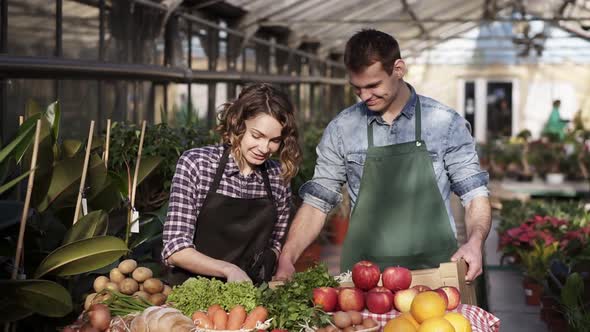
column 557, row 323
column 554, row 178
column 532, row 291
column 339, row 227
column 549, row 308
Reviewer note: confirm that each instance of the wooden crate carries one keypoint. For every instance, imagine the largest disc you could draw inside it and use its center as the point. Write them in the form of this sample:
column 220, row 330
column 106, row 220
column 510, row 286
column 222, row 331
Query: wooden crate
column 447, row 274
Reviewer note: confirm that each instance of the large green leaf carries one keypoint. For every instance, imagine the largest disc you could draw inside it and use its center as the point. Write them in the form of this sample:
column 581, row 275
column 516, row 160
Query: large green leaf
column 53, row 115
column 24, row 146
column 71, row 146
column 12, row 146
column 147, row 166
column 13, row 182
column 97, row 178
column 108, row 199
column 11, row 312
column 44, row 297
column 93, row 224
column 66, row 174
column 82, row 256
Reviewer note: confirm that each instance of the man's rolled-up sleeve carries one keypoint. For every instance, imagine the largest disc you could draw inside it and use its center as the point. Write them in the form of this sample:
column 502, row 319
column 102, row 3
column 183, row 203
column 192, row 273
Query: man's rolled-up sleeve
column 468, row 180
column 323, row 190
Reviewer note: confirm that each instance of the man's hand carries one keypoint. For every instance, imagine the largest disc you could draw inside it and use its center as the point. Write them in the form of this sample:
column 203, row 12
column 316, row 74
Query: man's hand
column 471, row 253
column 285, row 269
column 234, row 273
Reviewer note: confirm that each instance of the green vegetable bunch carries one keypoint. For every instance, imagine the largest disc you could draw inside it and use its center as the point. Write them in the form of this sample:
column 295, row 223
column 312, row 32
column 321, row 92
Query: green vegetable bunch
column 200, row 293
column 291, row 306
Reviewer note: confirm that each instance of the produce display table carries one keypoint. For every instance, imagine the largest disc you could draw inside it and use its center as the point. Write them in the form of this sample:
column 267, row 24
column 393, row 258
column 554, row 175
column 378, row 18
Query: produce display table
column 481, row 320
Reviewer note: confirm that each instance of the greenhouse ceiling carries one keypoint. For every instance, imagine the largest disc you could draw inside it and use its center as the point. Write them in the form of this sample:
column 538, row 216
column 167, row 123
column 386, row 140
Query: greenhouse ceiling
column 417, row 24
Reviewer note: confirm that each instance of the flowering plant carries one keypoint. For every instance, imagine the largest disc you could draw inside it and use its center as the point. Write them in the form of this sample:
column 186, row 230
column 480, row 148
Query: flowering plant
column 546, row 229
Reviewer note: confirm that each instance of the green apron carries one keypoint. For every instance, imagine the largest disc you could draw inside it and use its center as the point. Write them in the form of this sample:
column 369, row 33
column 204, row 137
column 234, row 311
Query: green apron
column 399, row 217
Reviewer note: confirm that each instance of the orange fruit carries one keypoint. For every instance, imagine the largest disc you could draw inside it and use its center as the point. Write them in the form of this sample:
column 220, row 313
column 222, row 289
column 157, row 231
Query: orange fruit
column 459, row 322
column 399, row 324
column 436, row 324
column 408, row 316
column 428, row 305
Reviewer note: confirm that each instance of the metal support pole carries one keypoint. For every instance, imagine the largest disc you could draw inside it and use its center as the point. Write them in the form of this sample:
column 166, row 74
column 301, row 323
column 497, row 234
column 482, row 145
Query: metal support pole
column 190, row 66
column 3, row 82
column 58, row 40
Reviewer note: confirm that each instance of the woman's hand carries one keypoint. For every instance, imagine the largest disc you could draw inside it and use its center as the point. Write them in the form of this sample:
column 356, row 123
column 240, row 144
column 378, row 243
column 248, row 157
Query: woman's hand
column 234, row 273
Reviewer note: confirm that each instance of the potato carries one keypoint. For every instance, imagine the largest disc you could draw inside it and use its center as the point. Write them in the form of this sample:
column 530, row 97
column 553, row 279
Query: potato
column 112, row 286
column 153, row 285
column 128, row 286
column 355, row 317
column 141, row 287
column 142, row 274
column 127, row 266
column 142, row 294
column 99, row 283
column 342, row 319
column 88, row 300
column 116, row 275
column 369, row 323
column 167, row 290
column 349, row 329
column 157, row 299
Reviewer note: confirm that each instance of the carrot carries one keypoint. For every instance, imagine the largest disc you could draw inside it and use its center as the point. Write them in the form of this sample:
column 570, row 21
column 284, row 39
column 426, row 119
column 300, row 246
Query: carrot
column 258, row 314
column 201, row 320
column 212, row 309
column 236, row 318
column 219, row 319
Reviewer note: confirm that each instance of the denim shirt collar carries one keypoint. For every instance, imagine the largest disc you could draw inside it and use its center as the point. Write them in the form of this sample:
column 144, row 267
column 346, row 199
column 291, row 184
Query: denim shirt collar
column 407, row 111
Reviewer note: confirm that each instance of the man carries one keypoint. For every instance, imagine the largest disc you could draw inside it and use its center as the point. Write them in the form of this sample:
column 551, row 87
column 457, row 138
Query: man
column 400, row 155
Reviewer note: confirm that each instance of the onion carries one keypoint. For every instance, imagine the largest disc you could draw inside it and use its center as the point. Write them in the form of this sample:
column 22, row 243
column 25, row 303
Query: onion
column 99, row 316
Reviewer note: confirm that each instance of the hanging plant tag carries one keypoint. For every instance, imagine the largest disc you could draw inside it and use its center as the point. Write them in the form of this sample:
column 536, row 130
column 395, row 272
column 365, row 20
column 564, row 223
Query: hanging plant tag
column 84, row 207
column 135, row 221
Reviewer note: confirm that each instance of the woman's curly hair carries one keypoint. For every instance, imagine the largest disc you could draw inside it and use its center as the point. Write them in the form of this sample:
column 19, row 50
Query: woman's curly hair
column 253, row 100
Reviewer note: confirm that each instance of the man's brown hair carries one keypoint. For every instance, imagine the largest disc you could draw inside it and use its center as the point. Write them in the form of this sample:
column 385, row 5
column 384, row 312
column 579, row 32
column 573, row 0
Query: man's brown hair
column 368, row 46
column 252, row 101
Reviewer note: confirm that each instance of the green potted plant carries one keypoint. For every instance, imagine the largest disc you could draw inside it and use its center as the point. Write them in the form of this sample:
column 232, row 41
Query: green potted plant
column 536, row 265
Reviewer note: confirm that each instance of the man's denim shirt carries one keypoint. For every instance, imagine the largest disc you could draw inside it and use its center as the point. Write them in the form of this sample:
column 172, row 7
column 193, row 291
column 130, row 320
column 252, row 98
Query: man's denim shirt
column 342, row 151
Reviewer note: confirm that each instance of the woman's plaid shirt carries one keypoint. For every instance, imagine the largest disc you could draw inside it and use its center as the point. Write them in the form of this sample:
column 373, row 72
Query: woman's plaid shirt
column 194, row 175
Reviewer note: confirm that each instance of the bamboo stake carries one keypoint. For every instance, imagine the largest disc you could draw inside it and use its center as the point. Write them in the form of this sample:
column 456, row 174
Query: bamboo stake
column 84, row 171
column 137, row 163
column 23, row 218
column 21, row 119
column 134, row 184
column 107, row 144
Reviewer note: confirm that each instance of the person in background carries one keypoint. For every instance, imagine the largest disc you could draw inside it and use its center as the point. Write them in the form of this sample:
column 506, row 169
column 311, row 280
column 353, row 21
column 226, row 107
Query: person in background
column 400, row 154
column 230, row 203
column 555, row 125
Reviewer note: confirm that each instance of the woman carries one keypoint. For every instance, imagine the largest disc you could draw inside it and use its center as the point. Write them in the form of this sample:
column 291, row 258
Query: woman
column 229, row 203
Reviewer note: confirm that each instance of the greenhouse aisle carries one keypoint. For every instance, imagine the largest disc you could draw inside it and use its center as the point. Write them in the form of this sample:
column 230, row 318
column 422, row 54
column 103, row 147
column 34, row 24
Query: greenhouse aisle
column 504, row 288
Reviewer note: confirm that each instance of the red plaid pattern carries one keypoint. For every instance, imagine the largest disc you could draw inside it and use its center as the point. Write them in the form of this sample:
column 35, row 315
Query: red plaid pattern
column 481, row 320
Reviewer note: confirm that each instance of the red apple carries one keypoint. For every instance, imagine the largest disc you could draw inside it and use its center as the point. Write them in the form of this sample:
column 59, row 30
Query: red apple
column 351, row 298
column 326, row 297
column 421, row 288
column 379, row 300
column 402, row 299
column 397, row 278
column 453, row 296
column 365, row 275
column 443, row 295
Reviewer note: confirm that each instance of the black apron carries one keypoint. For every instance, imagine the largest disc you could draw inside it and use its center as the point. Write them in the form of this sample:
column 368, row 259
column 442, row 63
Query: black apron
column 235, row 230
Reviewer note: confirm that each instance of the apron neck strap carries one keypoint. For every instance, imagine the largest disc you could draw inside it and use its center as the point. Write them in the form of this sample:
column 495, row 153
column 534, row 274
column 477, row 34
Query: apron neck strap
column 221, row 168
column 417, row 121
